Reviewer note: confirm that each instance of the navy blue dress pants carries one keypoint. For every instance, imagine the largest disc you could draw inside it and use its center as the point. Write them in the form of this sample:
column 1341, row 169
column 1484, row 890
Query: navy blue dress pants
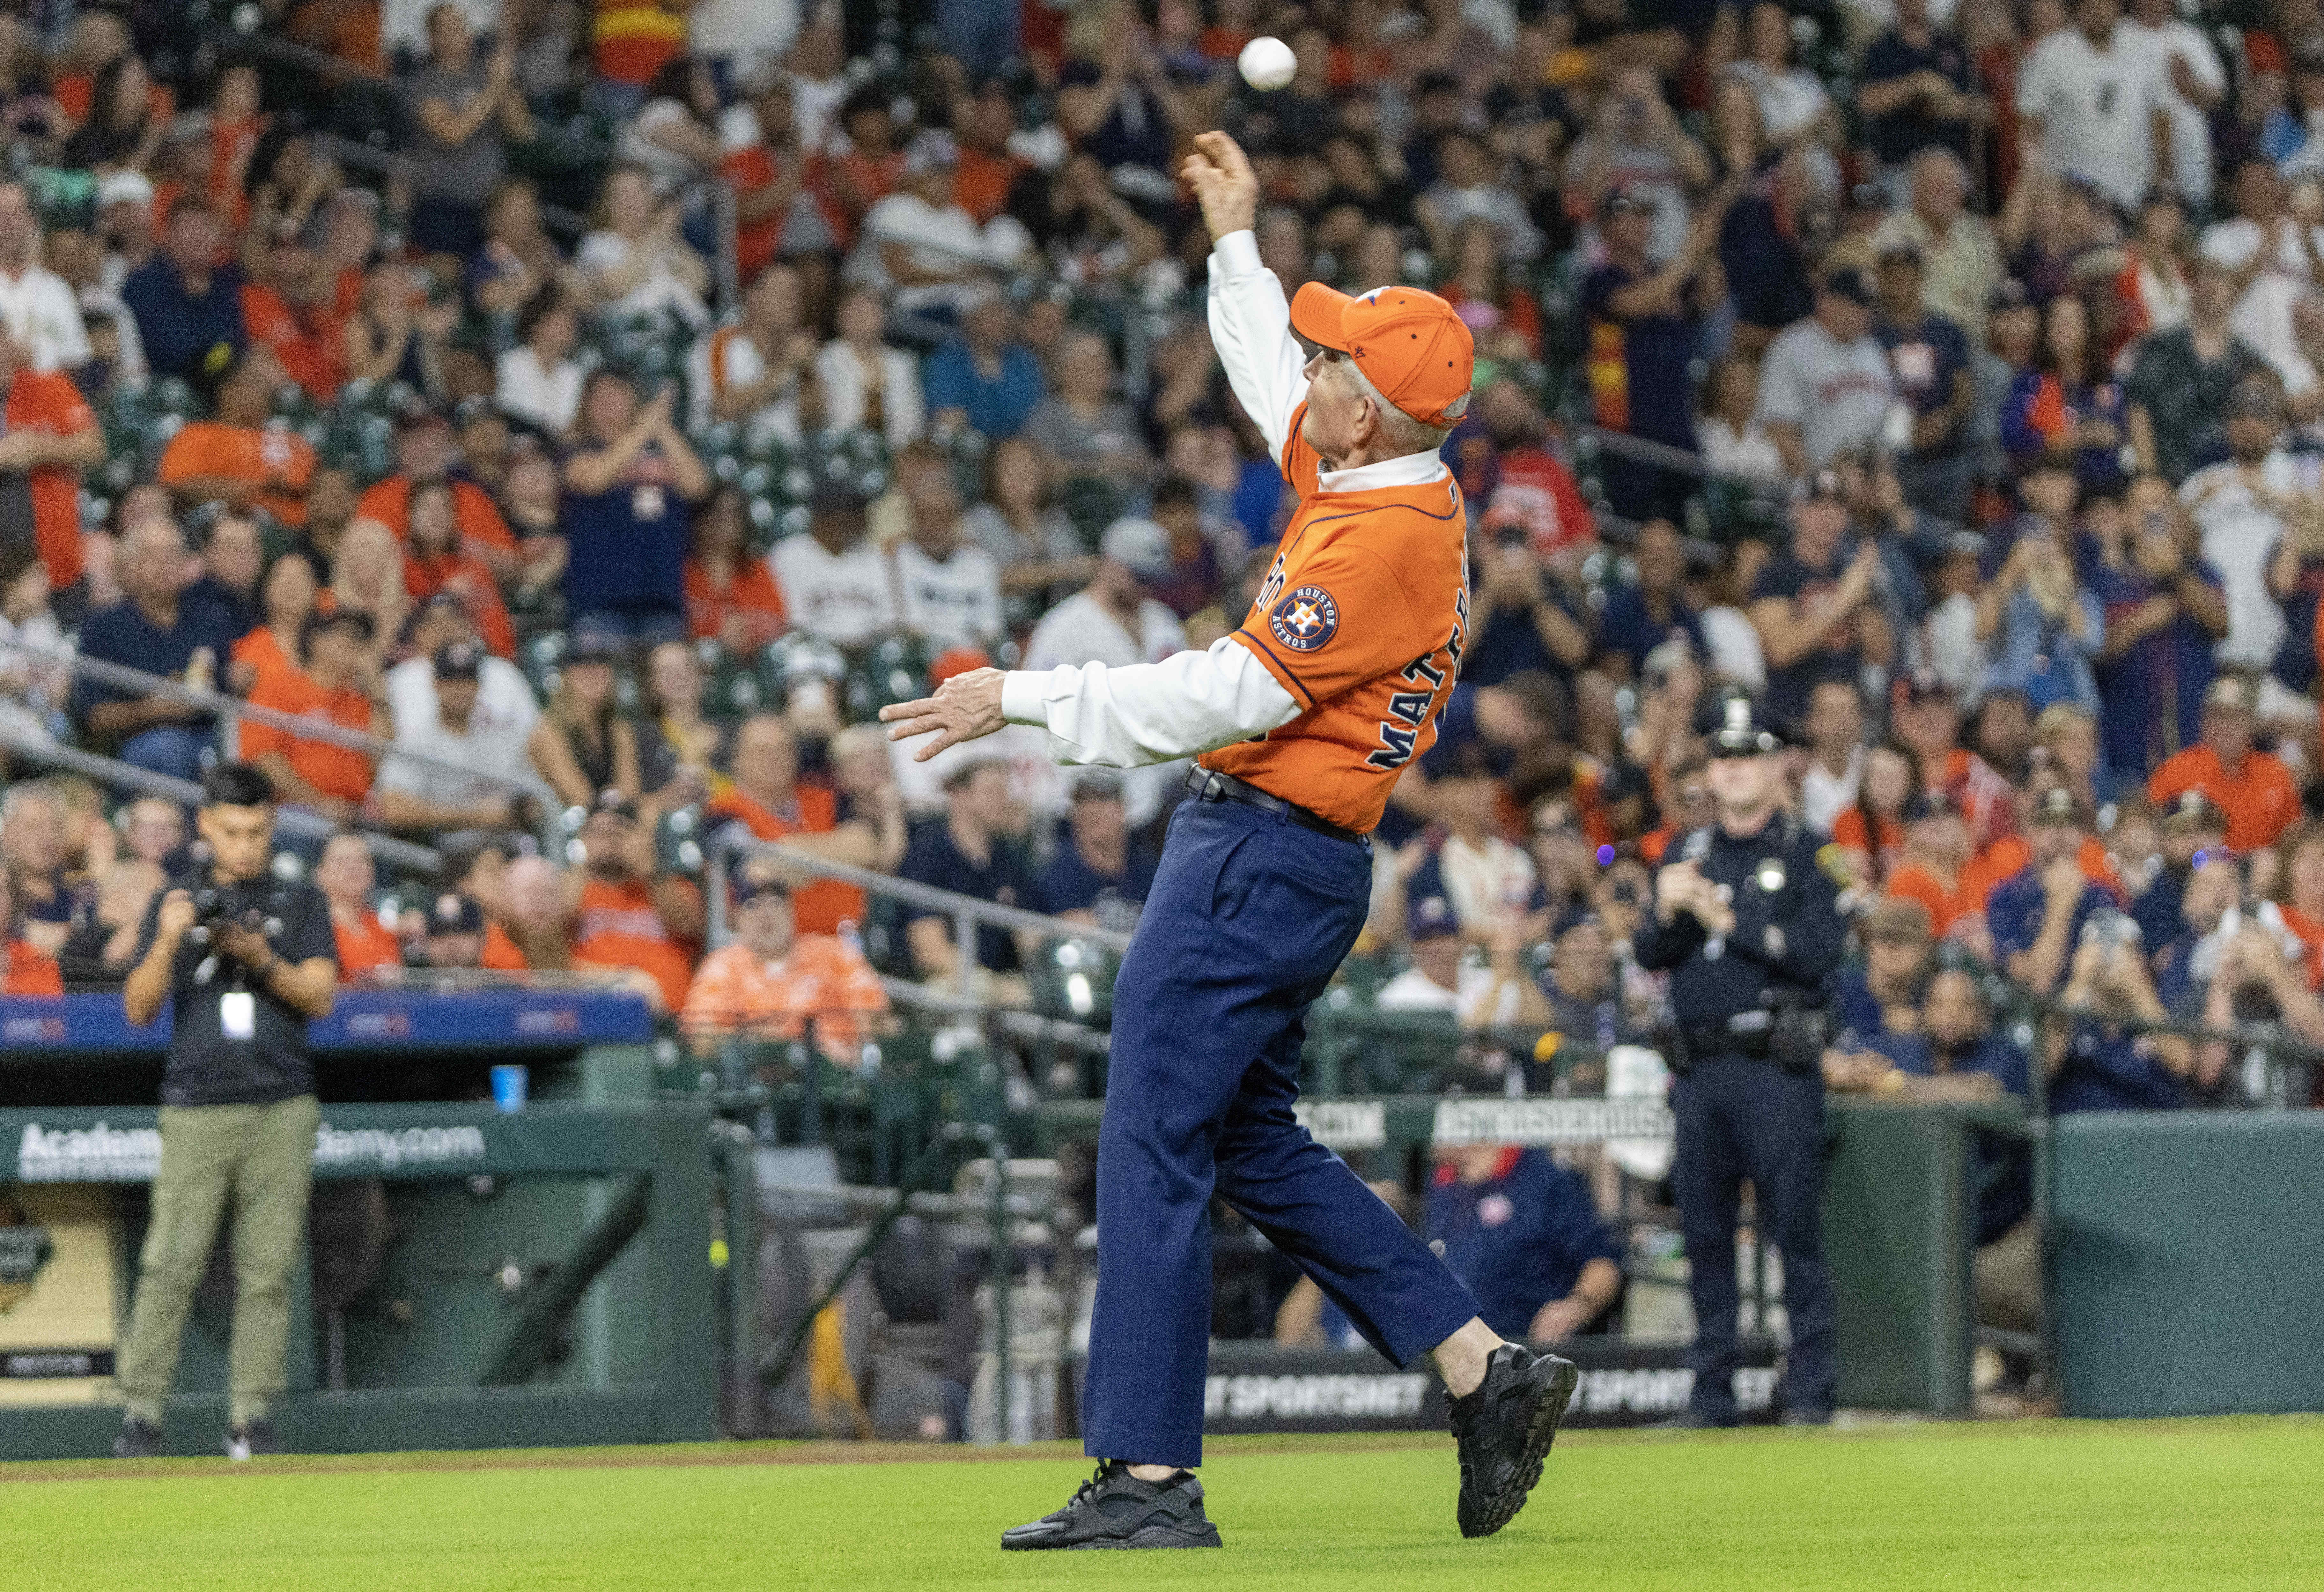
column 1743, row 1118
column 1249, row 917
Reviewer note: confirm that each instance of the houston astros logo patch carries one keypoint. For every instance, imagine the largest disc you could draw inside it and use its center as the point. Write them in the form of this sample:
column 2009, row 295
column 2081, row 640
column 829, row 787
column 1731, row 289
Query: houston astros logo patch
column 1305, row 619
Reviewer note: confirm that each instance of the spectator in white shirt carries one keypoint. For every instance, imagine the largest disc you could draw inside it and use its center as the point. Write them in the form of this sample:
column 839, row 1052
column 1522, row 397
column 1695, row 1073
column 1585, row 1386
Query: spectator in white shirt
column 675, row 134
column 1796, row 109
column 539, row 381
column 834, row 584
column 1835, row 771
column 436, row 794
column 636, row 263
column 1477, row 995
column 2242, row 506
column 504, row 708
column 1825, row 383
column 751, row 373
column 36, row 307
column 2194, row 84
column 2090, row 104
column 2276, row 251
column 1116, row 621
column 948, row 588
column 920, row 248
column 125, row 225
column 1467, row 189
column 865, row 382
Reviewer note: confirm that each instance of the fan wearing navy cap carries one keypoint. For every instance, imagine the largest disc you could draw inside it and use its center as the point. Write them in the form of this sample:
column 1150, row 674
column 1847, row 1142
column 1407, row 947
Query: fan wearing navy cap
column 2193, row 828
column 1818, row 614
column 456, row 932
column 1524, row 1235
column 434, row 794
column 1748, row 927
column 1645, row 328
column 1825, row 383
column 2038, row 915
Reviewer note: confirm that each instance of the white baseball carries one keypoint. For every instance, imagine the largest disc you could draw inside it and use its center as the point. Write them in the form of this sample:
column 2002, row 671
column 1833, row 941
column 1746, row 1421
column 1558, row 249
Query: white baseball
column 1266, row 64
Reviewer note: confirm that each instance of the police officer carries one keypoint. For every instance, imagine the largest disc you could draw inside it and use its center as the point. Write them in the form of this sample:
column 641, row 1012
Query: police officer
column 1750, row 927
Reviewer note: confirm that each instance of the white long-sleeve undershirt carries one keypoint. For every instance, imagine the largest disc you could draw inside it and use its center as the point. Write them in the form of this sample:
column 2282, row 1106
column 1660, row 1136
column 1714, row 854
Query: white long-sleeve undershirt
column 1189, row 702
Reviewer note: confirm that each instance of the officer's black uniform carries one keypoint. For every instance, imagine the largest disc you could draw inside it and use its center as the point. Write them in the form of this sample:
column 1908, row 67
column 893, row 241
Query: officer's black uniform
column 1751, row 1009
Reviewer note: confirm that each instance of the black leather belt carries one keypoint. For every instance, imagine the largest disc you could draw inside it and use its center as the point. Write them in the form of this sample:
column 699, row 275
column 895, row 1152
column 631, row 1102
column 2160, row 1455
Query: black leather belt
column 1208, row 784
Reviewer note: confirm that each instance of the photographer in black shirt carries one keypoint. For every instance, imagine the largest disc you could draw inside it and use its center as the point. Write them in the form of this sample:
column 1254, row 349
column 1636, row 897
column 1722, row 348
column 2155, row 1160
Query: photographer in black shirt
column 246, row 961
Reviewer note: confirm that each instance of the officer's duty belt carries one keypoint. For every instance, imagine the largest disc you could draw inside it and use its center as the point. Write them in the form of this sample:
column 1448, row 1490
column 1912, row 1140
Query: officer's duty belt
column 1705, row 1040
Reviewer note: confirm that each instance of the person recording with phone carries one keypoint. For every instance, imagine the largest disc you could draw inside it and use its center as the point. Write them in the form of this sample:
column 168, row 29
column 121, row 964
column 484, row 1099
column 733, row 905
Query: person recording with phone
column 2095, row 1064
column 244, row 962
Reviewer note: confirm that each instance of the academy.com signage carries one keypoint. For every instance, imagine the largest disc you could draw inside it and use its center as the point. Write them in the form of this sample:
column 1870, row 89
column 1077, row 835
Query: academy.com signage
column 103, row 1153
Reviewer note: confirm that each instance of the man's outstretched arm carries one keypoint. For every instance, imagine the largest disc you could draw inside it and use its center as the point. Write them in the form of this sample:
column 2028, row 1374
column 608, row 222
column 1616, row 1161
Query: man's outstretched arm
column 1122, row 718
column 1251, row 320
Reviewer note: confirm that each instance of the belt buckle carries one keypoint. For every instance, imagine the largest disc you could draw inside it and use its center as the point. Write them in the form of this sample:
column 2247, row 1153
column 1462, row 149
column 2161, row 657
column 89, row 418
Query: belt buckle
column 1209, row 784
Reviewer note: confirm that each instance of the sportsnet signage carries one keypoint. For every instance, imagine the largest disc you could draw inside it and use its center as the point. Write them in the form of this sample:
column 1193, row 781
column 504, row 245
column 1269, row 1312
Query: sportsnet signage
column 103, row 1153
column 1344, row 1125
column 1550, row 1121
column 1350, row 1125
column 1255, row 1387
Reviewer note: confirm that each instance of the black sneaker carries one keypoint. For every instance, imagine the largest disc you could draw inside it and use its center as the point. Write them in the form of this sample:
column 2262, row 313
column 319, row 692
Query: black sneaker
column 1114, row 1509
column 137, row 1440
column 1503, row 1428
column 251, row 1439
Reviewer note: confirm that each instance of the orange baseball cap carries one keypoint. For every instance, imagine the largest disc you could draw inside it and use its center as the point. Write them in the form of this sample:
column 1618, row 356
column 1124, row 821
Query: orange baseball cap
column 1408, row 344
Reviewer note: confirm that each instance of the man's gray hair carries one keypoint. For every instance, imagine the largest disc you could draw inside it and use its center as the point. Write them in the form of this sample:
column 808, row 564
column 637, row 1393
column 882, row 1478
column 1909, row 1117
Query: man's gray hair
column 1402, row 434
column 26, row 793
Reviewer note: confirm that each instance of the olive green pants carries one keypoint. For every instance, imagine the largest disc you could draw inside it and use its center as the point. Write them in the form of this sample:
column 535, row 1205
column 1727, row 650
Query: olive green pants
column 262, row 1157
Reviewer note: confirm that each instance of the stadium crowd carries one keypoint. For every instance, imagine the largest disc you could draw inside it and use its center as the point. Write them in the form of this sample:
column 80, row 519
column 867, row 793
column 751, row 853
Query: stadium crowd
column 608, row 406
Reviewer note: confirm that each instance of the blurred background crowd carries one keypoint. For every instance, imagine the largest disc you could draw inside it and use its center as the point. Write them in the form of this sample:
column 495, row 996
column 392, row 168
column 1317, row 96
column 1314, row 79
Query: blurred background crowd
column 607, row 405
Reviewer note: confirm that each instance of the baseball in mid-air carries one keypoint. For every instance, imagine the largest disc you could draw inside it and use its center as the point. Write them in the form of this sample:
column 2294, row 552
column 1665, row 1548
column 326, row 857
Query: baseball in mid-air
column 1266, row 64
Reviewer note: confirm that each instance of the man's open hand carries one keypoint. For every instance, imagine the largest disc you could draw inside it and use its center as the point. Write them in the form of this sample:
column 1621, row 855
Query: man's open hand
column 965, row 708
column 1224, row 184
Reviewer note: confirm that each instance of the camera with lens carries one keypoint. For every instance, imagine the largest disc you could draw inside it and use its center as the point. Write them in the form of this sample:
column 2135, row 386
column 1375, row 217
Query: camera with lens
column 213, row 912
column 209, row 910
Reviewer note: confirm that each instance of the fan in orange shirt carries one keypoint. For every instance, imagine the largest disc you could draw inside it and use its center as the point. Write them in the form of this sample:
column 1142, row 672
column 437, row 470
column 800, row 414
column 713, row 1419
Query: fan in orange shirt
column 344, row 876
column 773, row 982
column 434, row 560
column 1936, row 865
column 425, row 451
column 51, row 436
column 283, row 309
column 767, row 799
column 729, row 594
column 238, row 458
column 328, row 779
column 2300, row 889
column 2251, row 787
column 288, row 597
column 626, row 916
column 25, row 969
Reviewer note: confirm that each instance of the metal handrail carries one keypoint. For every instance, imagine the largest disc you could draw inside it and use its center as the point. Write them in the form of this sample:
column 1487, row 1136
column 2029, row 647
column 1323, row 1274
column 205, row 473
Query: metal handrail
column 1686, row 462
column 402, row 853
column 123, row 678
column 966, row 911
column 401, row 163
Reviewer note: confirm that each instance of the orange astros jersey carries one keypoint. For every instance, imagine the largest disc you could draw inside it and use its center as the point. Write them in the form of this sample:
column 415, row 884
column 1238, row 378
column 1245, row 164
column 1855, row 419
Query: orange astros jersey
column 1362, row 618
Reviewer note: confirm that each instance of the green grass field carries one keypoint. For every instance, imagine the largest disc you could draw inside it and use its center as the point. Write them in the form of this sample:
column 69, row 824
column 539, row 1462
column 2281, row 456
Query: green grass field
column 2228, row 1503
